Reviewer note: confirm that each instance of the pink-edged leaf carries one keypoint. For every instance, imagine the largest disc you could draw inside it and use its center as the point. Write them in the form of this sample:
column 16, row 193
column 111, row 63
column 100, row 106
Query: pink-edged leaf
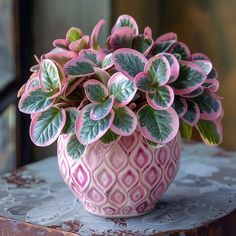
column 164, row 42
column 148, row 31
column 88, row 130
column 144, row 83
column 95, row 91
column 79, row 44
column 205, row 65
column 191, row 76
column 35, row 68
column 210, row 131
column 162, row 99
column 199, row 56
column 121, row 38
column 73, row 34
column 129, row 62
column 143, row 44
column 210, row 106
column 174, row 66
column 212, row 84
column 213, row 75
column 95, row 34
column 79, row 67
column 102, row 75
column 122, row 88
column 159, row 126
column 32, row 82
column 126, row 20
column 35, row 100
column 109, row 137
column 74, row 148
column 49, row 77
column 99, row 111
column 125, row 121
column 158, row 69
column 180, row 105
column 61, row 43
column 107, row 62
column 60, row 56
column 194, row 93
column 94, row 56
column 46, row 126
column 71, row 115
column 181, row 49
column 192, row 115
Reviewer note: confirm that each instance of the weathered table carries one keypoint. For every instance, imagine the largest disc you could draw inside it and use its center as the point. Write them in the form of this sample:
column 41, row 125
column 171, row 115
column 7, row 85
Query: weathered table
column 201, row 201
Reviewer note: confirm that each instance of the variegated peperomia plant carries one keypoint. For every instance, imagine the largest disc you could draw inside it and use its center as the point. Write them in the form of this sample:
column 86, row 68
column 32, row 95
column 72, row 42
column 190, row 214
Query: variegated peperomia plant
column 95, row 93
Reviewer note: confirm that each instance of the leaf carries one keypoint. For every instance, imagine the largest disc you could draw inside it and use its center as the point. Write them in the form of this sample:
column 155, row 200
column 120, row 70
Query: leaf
column 79, row 67
column 143, row 44
column 199, row 56
column 126, row 20
column 158, row 69
column 95, row 34
column 180, row 105
column 71, row 115
column 95, row 91
column 109, row 137
column 194, row 93
column 75, row 149
column 61, row 43
column 181, row 49
column 213, row 75
column 99, row 111
column 94, row 57
column 162, row 99
column 192, row 115
column 102, row 75
column 211, row 84
column 164, row 42
column 191, row 76
column 210, row 106
column 210, row 131
column 73, row 34
column 205, row 65
column 49, row 77
column 147, row 31
column 88, row 130
column 35, row 100
column 174, row 66
column 79, row 44
column 107, row 62
column 122, row 88
column 158, row 126
column 144, row 83
column 186, row 130
column 35, row 68
column 152, row 144
column 121, row 38
column 125, row 121
column 129, row 62
column 46, row 126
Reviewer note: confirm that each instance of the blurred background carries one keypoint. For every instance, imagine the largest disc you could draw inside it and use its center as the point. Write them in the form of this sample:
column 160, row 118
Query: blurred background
column 29, row 27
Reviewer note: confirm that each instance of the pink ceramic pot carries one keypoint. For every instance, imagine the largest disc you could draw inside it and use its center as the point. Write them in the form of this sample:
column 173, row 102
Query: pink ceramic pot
column 122, row 179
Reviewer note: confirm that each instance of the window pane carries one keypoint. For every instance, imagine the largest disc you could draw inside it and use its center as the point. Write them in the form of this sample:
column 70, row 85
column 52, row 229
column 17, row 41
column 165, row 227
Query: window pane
column 7, row 140
column 7, row 64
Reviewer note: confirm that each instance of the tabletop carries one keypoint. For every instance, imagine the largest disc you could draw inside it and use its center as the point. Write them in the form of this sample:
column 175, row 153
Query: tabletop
column 201, row 201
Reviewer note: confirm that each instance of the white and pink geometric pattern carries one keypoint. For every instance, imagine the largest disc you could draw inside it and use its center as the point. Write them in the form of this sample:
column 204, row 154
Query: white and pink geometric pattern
column 123, row 179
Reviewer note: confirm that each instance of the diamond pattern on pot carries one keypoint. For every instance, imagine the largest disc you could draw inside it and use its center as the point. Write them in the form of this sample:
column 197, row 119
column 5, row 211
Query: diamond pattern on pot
column 170, row 173
column 104, row 177
column 110, row 210
column 128, row 178
column 152, row 175
column 137, row 194
column 96, row 196
column 115, row 158
column 162, row 155
column 80, row 175
column 128, row 143
column 158, row 191
column 76, row 191
column 117, row 196
column 141, row 157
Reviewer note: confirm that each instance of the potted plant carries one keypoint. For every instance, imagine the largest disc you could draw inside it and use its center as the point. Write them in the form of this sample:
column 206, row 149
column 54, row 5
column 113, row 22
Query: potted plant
column 119, row 111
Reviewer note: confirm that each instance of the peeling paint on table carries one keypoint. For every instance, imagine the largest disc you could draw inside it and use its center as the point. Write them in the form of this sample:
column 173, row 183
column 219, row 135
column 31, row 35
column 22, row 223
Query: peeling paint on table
column 203, row 191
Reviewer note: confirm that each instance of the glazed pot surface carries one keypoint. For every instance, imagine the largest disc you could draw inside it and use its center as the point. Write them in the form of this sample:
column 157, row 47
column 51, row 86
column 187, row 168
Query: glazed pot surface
column 123, row 179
